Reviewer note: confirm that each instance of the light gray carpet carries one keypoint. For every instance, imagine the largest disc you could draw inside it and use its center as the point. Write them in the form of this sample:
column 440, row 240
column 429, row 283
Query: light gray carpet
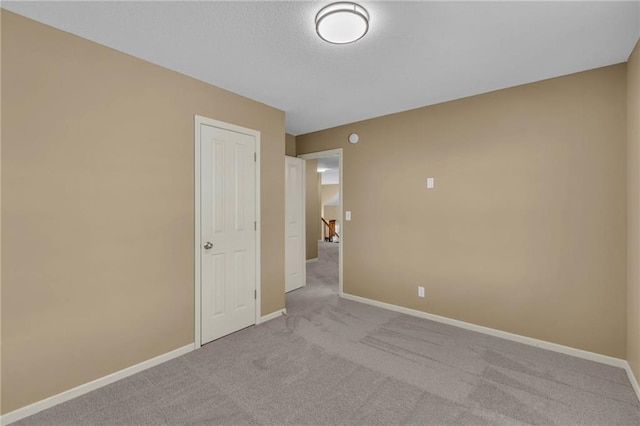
column 332, row 361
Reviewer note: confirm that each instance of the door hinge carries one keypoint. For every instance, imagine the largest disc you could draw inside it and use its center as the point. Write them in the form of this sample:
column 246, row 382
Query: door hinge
column 255, row 226
column 255, row 294
column 255, row 157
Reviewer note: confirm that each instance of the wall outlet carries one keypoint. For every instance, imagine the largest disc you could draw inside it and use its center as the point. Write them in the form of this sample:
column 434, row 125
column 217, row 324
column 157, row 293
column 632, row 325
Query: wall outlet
column 420, row 291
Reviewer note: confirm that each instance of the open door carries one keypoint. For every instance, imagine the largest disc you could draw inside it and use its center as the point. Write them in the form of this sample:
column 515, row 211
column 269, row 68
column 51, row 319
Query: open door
column 294, row 224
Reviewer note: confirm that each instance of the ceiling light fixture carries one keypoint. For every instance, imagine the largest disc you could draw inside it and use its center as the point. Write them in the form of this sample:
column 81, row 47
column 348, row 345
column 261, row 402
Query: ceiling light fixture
column 342, row 23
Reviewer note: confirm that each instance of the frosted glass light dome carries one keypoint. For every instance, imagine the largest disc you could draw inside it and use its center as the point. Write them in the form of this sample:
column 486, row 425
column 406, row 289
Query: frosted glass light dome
column 342, row 23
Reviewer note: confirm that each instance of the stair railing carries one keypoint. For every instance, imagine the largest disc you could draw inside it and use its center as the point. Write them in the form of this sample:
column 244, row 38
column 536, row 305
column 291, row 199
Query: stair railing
column 330, row 229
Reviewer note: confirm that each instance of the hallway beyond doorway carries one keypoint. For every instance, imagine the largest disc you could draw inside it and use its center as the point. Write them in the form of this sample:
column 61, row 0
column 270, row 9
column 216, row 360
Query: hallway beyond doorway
column 324, row 271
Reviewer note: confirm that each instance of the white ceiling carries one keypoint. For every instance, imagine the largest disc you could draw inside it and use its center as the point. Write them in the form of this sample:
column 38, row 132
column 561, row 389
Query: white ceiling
column 331, row 165
column 415, row 54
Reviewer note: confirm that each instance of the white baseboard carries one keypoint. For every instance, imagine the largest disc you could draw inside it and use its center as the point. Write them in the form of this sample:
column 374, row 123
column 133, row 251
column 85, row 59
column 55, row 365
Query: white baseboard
column 567, row 350
column 579, row 353
column 633, row 380
column 272, row 315
column 36, row 407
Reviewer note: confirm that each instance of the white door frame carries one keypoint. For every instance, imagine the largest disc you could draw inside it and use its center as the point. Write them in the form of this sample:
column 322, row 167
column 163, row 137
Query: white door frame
column 330, row 153
column 198, row 121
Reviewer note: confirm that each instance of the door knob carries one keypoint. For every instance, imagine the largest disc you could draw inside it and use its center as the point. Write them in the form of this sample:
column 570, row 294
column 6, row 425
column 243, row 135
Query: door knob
column 208, row 245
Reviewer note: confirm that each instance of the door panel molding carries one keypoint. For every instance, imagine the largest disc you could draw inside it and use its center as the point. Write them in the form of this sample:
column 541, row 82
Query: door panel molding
column 198, row 122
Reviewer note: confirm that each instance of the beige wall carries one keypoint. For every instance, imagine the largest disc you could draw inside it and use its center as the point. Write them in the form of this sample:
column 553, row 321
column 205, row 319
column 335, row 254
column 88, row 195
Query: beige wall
column 525, row 229
column 330, row 212
column 633, row 211
column 312, row 207
column 328, row 192
column 97, row 208
column 290, row 145
column 0, row 218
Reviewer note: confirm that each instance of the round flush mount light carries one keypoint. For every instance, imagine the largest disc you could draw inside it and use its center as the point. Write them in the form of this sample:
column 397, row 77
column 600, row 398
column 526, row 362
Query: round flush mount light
column 354, row 138
column 342, row 23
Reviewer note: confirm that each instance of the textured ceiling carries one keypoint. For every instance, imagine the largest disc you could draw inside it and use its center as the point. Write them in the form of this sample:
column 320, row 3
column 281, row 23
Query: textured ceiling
column 415, row 54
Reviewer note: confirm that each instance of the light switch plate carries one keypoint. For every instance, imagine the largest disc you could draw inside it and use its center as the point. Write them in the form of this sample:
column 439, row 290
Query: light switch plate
column 347, row 215
column 430, row 183
column 420, row 291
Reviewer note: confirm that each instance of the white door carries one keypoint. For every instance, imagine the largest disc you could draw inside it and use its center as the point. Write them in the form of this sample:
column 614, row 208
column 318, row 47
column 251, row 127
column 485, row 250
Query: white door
column 227, row 231
column 294, row 224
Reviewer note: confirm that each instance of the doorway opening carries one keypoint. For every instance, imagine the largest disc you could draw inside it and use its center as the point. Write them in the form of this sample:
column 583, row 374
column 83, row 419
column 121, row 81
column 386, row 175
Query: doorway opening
column 324, row 218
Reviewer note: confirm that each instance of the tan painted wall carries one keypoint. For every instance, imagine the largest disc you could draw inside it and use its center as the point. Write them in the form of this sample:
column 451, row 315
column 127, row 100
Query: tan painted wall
column 330, row 212
column 312, row 207
column 633, row 211
column 328, row 192
column 97, row 208
column 525, row 229
column 0, row 218
column 290, row 145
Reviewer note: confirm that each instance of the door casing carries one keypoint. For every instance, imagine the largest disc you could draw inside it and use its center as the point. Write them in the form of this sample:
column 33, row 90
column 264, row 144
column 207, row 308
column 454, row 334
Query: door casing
column 198, row 121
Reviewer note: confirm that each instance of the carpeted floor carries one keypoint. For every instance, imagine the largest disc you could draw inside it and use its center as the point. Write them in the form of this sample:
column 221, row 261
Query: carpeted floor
column 333, row 361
